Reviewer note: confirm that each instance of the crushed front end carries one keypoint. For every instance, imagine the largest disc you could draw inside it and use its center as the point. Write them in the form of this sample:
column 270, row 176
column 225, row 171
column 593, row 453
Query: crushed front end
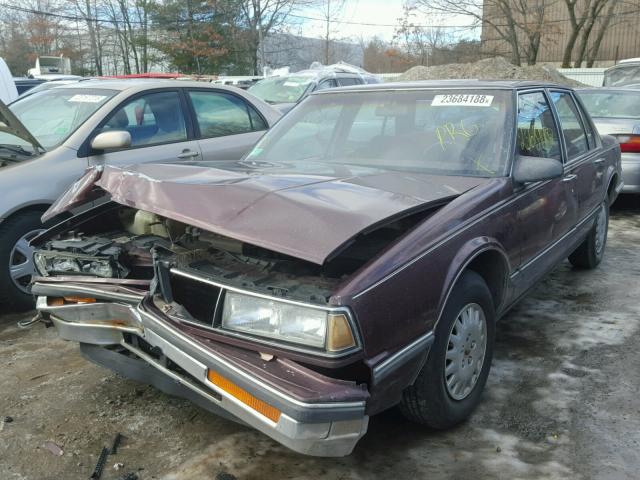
column 242, row 331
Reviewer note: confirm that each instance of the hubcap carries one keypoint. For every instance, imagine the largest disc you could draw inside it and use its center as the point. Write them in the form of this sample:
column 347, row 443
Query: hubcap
column 465, row 351
column 21, row 267
column 601, row 229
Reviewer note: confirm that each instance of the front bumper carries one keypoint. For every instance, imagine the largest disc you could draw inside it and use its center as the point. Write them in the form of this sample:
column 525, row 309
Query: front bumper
column 133, row 340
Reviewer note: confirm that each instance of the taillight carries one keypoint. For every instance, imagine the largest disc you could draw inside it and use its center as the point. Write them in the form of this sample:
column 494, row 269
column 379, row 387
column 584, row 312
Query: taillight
column 629, row 143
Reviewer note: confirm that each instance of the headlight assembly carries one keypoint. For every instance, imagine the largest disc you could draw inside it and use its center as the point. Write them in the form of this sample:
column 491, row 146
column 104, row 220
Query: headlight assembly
column 286, row 322
column 55, row 263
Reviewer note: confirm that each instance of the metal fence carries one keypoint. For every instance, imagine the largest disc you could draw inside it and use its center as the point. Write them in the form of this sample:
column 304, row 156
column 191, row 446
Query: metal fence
column 588, row 76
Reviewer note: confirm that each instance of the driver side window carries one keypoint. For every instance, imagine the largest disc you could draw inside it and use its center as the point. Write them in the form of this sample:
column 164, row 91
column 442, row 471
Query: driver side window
column 151, row 119
column 537, row 135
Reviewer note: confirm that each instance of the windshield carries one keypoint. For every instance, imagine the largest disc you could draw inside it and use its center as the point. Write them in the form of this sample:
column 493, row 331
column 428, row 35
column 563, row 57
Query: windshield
column 281, row 89
column 51, row 116
column 50, row 61
column 451, row 132
column 612, row 104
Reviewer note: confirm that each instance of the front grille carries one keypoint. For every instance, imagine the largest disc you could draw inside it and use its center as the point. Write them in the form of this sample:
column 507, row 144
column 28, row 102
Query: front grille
column 198, row 298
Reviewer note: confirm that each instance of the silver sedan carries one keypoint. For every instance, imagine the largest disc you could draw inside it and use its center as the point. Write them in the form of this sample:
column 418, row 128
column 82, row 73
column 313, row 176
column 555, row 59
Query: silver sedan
column 616, row 111
column 48, row 139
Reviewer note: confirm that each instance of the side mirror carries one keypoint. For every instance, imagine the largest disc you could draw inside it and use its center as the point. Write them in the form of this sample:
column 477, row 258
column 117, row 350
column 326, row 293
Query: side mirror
column 536, row 169
column 111, row 140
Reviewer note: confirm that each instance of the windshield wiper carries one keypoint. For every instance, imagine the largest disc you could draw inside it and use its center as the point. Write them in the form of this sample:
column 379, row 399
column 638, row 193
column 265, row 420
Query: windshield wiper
column 17, row 149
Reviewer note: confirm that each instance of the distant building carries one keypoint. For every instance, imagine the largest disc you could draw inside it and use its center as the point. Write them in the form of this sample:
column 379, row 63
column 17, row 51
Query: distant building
column 621, row 39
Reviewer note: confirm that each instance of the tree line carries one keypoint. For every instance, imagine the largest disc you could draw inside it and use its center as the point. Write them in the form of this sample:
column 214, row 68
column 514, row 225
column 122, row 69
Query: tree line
column 131, row 36
column 227, row 36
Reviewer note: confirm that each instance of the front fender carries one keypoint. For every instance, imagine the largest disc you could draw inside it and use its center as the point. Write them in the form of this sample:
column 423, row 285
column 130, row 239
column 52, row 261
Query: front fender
column 465, row 256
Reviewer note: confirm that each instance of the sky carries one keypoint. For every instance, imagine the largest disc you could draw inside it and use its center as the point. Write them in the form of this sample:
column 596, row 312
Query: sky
column 379, row 12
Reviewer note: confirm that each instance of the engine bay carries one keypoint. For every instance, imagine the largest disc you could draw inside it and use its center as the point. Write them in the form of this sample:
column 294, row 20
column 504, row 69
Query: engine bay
column 123, row 242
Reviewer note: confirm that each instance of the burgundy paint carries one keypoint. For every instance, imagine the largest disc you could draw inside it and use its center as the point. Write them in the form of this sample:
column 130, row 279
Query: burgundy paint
column 305, row 216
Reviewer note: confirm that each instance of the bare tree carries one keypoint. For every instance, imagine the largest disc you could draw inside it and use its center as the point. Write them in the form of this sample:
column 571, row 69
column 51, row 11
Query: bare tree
column 87, row 9
column 518, row 23
column 259, row 18
column 330, row 11
column 598, row 16
column 420, row 44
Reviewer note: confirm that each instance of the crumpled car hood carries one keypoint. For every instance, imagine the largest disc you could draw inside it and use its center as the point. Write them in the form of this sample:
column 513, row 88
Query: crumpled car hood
column 306, row 215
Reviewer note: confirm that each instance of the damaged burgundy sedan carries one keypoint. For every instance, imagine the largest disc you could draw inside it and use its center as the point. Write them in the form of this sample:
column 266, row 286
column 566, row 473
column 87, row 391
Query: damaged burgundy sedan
column 357, row 259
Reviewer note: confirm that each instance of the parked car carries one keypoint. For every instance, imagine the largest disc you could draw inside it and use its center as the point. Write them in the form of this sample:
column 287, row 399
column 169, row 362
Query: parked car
column 286, row 91
column 357, row 258
column 49, row 84
column 24, row 84
column 616, row 111
column 624, row 73
column 50, row 138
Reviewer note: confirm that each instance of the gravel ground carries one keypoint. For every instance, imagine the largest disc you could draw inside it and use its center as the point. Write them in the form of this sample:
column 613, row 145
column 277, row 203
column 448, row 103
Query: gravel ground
column 561, row 402
column 487, row 69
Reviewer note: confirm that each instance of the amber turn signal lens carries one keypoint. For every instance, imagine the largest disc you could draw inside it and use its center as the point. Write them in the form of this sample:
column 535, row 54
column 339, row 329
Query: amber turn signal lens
column 74, row 299
column 340, row 335
column 58, row 301
column 245, row 397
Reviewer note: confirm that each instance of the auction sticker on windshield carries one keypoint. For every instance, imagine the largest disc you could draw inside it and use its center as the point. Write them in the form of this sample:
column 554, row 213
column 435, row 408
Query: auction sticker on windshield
column 462, row 99
column 87, row 98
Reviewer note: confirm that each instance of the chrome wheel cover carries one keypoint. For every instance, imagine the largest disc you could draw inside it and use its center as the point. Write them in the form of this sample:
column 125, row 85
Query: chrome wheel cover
column 601, row 229
column 21, row 267
column 466, row 350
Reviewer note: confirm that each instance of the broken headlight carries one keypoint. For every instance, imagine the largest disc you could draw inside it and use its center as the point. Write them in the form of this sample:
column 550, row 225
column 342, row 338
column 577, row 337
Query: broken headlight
column 54, row 263
column 287, row 322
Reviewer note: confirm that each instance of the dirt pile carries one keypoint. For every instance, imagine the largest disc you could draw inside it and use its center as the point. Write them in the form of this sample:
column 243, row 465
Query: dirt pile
column 496, row 68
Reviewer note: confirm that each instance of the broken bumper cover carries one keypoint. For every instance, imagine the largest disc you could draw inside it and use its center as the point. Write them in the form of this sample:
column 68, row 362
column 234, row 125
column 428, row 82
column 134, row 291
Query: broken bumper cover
column 319, row 429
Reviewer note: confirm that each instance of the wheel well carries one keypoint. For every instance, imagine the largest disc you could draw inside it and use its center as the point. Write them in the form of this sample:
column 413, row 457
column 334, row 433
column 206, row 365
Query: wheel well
column 39, row 207
column 611, row 188
column 493, row 268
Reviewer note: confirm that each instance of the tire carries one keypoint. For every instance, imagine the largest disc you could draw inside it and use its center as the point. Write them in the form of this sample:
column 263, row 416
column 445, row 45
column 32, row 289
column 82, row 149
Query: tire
column 590, row 252
column 429, row 401
column 11, row 231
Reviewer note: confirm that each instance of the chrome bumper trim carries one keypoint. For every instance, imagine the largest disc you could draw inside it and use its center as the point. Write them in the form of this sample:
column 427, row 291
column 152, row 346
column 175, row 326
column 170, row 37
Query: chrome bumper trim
column 319, row 429
column 61, row 289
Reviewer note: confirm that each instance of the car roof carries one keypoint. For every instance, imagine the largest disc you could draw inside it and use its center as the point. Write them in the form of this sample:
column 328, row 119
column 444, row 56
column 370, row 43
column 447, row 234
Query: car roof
column 460, row 83
column 621, row 89
column 141, row 84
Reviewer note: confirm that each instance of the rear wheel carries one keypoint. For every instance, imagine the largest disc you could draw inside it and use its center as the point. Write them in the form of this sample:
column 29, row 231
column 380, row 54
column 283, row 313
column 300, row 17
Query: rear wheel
column 590, row 252
column 449, row 385
column 16, row 259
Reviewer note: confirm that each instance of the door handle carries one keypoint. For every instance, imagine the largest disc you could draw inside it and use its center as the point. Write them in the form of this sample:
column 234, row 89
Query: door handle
column 188, row 154
column 569, row 177
column 599, row 161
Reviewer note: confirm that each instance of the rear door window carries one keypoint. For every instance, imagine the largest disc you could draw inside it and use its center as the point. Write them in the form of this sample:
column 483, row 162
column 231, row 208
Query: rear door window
column 571, row 125
column 219, row 114
column 329, row 83
column 347, row 82
column 537, row 135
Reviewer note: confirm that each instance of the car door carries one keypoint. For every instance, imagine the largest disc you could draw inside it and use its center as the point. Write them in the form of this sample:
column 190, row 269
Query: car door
column 585, row 159
column 546, row 210
column 226, row 125
column 159, row 128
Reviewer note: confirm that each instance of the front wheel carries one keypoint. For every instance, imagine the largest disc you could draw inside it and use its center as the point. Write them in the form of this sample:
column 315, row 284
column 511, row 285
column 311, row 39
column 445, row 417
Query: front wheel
column 16, row 259
column 449, row 386
column 590, row 252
